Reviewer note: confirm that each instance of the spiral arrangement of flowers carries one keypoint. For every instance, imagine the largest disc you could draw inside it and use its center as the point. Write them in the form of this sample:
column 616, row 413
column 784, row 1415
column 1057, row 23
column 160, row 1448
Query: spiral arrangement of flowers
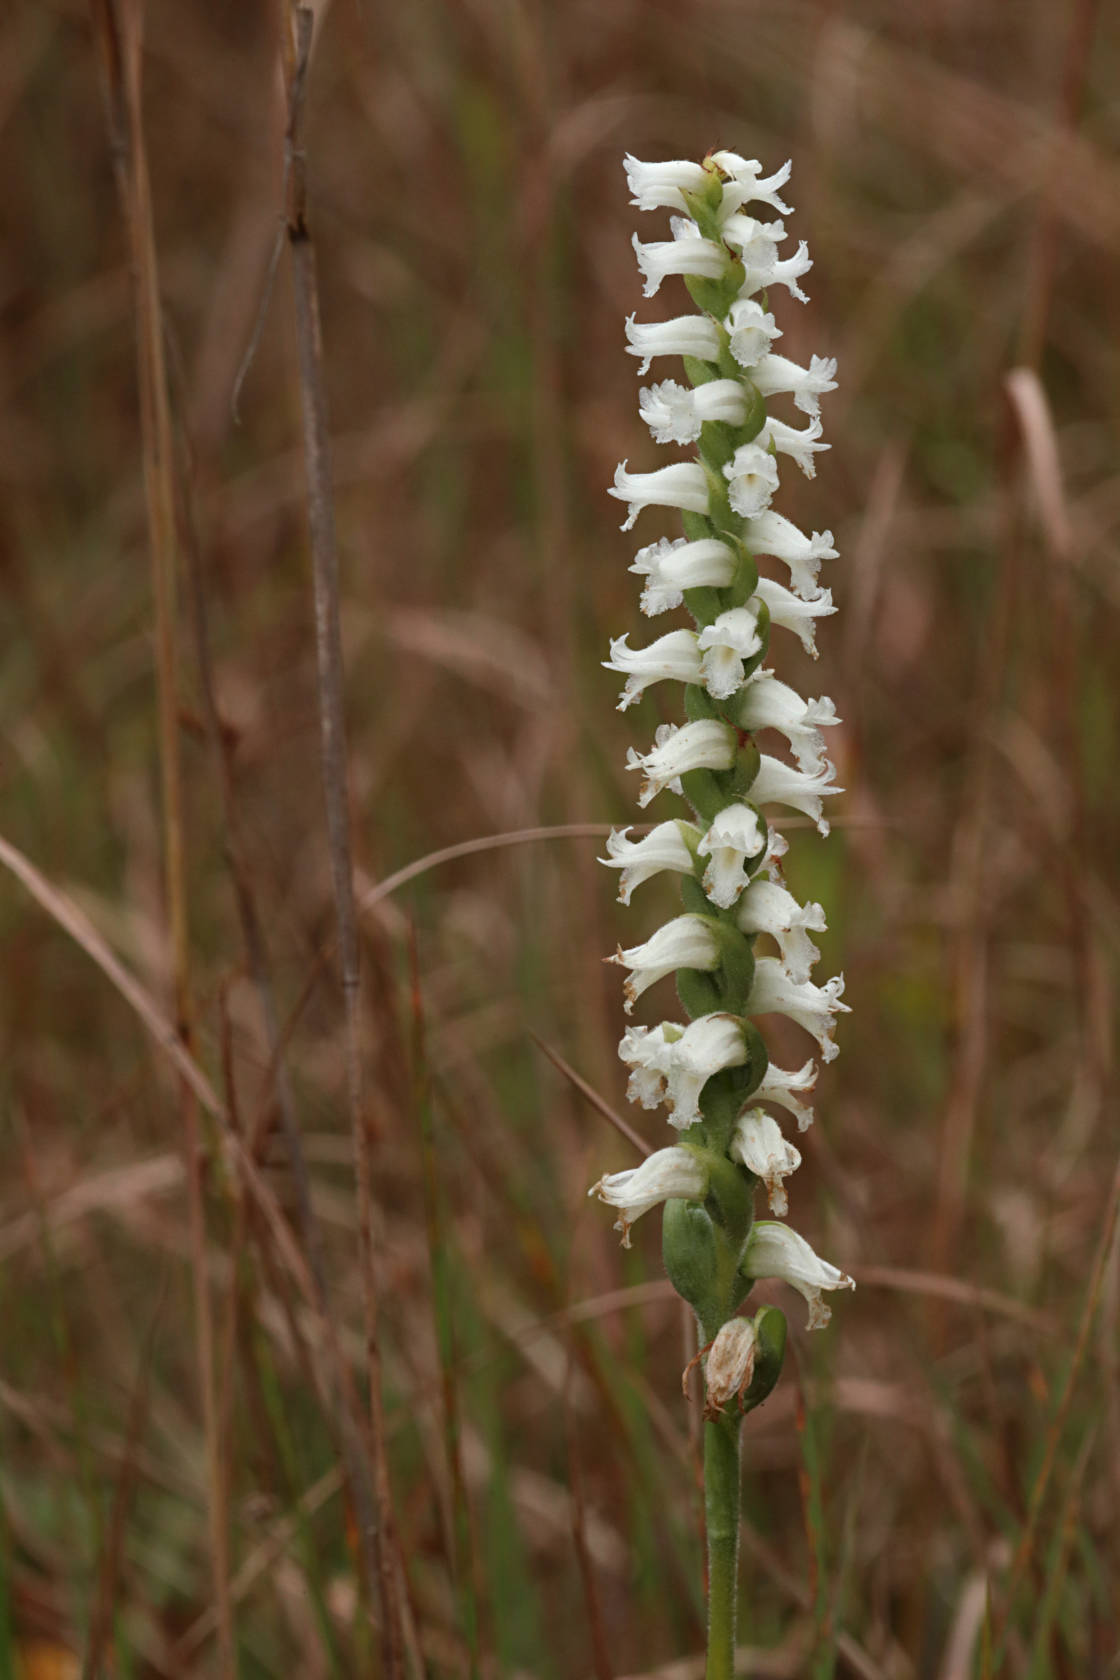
column 712, row 1074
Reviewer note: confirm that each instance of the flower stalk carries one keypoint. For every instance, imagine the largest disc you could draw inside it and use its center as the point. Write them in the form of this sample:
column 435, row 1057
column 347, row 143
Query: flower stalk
column 712, row 1074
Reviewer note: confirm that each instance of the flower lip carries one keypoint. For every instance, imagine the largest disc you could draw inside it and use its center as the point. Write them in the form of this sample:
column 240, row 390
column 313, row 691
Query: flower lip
column 673, row 1173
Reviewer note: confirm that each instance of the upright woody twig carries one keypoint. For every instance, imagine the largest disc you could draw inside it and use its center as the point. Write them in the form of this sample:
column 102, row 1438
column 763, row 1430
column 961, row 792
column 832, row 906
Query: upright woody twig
column 713, row 1075
column 381, row 1541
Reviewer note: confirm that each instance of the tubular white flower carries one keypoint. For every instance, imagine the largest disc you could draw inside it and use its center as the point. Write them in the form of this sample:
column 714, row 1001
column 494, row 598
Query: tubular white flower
column 752, row 478
column 749, row 187
column 675, row 413
column 664, row 847
column 736, row 836
column 673, row 567
column 766, row 703
column 683, row 485
column 672, row 1066
column 772, row 533
column 725, row 643
column 707, row 744
column 784, row 1088
column 799, row 443
column 730, row 1365
column 815, row 1008
column 775, row 376
column 752, row 331
column 685, row 942
column 780, row 784
column 686, row 335
column 674, row 1173
column 792, row 612
column 661, row 186
column 686, row 254
column 757, row 1143
column 757, row 242
column 674, row 656
column 786, row 272
column 774, row 1251
column 766, row 907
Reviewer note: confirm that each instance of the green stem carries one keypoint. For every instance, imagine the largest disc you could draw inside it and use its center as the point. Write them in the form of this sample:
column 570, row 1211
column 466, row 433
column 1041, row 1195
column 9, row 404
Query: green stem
column 721, row 1509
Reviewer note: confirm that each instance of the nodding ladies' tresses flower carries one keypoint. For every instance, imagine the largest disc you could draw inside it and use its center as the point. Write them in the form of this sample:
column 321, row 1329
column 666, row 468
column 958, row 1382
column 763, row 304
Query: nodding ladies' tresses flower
column 785, row 1089
column 686, row 254
column 675, row 655
column 725, row 644
column 791, row 612
column 774, row 1251
column 751, row 332
column 801, row 444
column 766, row 907
column 674, row 1172
column 684, row 485
column 687, row 335
column 775, row 992
column 766, row 703
column 774, row 375
column 711, row 1073
column 757, row 1144
column 770, row 533
column 664, row 847
column 671, row 1065
column 752, row 478
column 675, row 414
column 672, row 567
column 685, row 942
column 779, row 784
column 736, row 836
column 707, row 744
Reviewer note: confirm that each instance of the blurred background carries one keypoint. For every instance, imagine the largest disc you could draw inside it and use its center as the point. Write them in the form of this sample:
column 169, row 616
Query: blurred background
column 185, row 1466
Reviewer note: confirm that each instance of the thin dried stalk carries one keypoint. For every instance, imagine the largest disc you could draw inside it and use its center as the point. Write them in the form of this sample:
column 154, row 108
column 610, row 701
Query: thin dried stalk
column 120, row 30
column 379, row 1537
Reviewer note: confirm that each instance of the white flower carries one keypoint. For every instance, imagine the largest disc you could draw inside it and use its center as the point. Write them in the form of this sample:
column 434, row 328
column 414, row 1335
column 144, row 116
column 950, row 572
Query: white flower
column 683, row 485
column 664, row 847
column 675, row 413
column 766, row 907
column 725, row 643
column 782, row 1087
column 774, row 1251
column 730, row 1365
column 757, row 242
column 802, row 444
column 775, row 375
column 772, row 533
column 660, row 186
column 672, row 1066
column 752, row 331
column 737, row 835
column 667, row 1173
column 758, row 1143
column 780, row 784
column 686, row 253
column 752, row 477
column 748, row 187
column 791, row 612
column 815, row 1008
column 674, row 656
column 786, row 272
column 687, row 335
column 673, row 567
column 685, row 942
column 766, row 703
column 707, row 744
